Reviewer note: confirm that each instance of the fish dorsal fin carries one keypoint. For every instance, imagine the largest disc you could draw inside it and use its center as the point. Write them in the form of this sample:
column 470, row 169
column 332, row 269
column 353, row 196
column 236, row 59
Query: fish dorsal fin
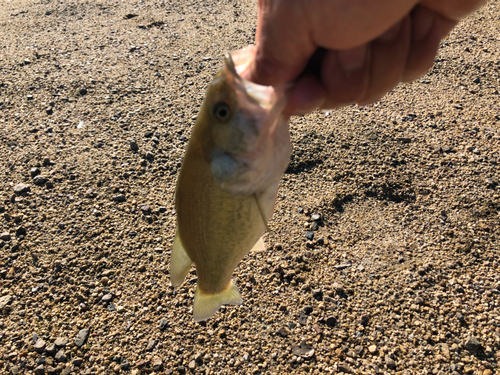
column 206, row 305
column 260, row 245
column 180, row 262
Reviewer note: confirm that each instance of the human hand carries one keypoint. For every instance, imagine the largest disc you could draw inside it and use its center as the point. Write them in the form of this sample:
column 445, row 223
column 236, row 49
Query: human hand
column 340, row 52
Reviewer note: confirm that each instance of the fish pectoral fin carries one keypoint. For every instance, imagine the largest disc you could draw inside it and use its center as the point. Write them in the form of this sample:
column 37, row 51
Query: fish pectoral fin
column 260, row 245
column 206, row 305
column 180, row 262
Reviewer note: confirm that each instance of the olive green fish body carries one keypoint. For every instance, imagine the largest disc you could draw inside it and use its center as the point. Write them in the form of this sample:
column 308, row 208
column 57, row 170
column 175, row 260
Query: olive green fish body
column 227, row 184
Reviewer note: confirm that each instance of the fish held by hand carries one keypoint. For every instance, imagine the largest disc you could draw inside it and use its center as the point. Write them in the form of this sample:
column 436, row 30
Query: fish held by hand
column 227, row 185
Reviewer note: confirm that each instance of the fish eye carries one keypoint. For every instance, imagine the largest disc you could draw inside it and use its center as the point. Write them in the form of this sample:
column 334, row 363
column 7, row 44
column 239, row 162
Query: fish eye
column 221, row 111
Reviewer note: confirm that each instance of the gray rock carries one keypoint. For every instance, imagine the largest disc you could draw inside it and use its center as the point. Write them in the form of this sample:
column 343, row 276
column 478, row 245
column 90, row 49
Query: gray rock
column 40, row 370
column 303, row 350
column 310, row 235
column 5, row 300
column 5, row 236
column 51, row 349
column 342, row 266
column 151, row 345
column 34, row 171
column 157, row 363
column 82, row 336
column 342, row 367
column 107, row 298
column 67, row 370
column 315, row 217
column 39, row 346
column 14, row 370
column 21, row 188
column 40, row 180
column 163, row 324
column 60, row 356
column 192, row 365
column 390, row 362
column 472, row 345
column 61, row 342
column 146, row 210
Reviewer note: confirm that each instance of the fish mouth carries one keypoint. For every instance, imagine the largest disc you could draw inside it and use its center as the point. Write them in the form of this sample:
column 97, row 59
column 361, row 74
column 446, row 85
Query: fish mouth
column 237, row 64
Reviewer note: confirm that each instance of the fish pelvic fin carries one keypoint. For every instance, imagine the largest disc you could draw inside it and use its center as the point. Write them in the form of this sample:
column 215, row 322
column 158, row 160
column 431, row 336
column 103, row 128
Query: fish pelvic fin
column 260, row 245
column 261, row 212
column 180, row 262
column 206, row 305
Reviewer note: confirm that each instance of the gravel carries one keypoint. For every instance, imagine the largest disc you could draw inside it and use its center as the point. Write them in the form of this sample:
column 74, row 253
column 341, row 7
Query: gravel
column 383, row 250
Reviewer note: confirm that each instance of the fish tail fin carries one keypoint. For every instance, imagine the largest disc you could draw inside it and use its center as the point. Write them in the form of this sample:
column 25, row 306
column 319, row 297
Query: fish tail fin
column 260, row 245
column 206, row 305
column 180, row 262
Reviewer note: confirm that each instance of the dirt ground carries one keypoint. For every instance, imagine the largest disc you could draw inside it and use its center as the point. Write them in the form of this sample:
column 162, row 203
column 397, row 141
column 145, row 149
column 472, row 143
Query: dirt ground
column 384, row 250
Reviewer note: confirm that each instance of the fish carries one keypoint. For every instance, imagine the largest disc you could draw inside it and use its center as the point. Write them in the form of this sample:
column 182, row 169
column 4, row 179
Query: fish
column 227, row 185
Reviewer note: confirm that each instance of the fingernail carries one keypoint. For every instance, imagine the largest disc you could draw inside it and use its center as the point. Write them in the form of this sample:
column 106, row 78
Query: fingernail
column 422, row 25
column 390, row 34
column 352, row 59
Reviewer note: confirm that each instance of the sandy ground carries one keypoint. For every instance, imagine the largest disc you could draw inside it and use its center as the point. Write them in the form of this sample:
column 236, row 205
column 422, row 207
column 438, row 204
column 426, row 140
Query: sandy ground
column 384, row 250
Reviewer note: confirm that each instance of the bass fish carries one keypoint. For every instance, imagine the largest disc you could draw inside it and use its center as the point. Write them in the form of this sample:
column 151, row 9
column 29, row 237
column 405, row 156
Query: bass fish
column 227, row 185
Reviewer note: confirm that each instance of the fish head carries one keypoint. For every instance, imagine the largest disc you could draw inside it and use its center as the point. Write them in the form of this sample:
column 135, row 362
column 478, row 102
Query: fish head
column 250, row 144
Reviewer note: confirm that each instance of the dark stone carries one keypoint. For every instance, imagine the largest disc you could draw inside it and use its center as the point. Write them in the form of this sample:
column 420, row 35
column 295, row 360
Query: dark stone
column 472, row 345
column 302, row 318
column 119, row 198
column 317, row 294
column 283, row 332
column 331, row 321
column 134, row 146
column 40, row 180
column 40, row 370
column 34, row 172
column 125, row 365
column 310, row 235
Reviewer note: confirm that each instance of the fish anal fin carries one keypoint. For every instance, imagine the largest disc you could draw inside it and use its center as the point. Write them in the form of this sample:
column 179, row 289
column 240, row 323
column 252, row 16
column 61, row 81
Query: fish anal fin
column 180, row 262
column 260, row 245
column 206, row 305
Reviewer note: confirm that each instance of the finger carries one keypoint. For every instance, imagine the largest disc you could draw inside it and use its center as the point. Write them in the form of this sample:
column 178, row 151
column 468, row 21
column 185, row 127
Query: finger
column 428, row 28
column 283, row 42
column 345, row 76
column 453, row 9
column 289, row 31
column 388, row 60
column 306, row 95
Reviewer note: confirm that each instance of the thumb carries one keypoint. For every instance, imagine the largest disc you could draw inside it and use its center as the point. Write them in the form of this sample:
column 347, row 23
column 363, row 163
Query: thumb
column 283, row 46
